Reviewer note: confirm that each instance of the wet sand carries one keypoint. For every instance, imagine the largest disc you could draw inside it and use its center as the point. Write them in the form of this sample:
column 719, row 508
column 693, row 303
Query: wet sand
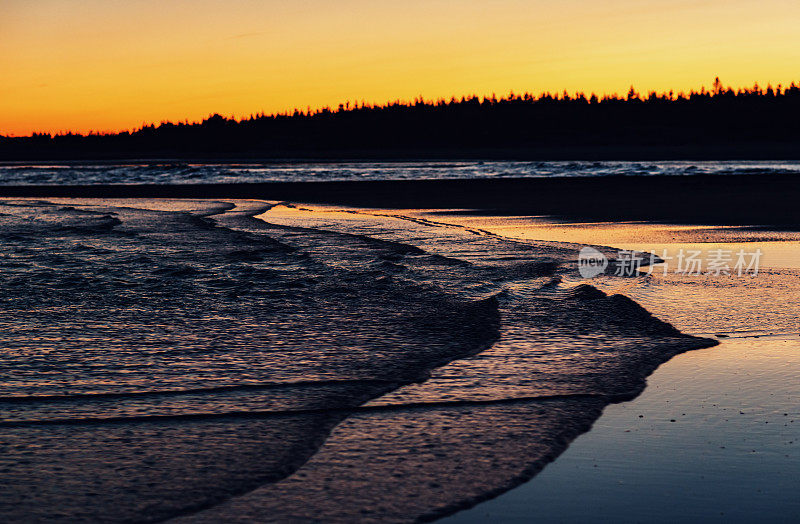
column 715, row 437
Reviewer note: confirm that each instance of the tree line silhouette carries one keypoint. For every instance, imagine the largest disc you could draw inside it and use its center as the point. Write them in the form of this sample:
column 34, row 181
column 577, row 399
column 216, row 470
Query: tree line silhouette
column 513, row 125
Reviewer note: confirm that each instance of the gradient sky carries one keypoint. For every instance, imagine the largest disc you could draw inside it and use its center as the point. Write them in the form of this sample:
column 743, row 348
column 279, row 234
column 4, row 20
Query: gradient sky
column 115, row 64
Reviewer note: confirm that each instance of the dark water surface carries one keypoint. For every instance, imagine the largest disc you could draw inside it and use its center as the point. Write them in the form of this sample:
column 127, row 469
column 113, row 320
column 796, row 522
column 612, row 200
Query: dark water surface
column 165, row 359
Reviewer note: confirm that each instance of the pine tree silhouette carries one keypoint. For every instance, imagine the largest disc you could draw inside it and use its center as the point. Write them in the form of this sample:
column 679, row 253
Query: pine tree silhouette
column 722, row 117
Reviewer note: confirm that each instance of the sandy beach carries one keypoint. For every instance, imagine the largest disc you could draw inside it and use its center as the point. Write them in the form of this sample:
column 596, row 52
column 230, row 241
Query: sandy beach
column 713, row 437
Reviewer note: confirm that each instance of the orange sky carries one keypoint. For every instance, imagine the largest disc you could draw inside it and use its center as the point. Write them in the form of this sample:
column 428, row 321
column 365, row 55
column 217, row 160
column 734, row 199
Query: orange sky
column 115, row 64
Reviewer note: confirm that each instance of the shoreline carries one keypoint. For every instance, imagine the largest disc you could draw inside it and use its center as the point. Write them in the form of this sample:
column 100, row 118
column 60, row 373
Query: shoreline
column 717, row 424
column 360, row 451
column 571, row 313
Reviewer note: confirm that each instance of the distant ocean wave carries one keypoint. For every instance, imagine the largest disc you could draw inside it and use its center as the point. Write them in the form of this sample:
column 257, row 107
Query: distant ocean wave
column 196, row 173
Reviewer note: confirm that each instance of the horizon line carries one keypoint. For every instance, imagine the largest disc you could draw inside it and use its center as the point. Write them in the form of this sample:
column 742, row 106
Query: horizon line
column 353, row 105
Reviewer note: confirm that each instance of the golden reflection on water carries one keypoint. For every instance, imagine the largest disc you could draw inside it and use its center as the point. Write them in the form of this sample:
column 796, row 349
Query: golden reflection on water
column 718, row 425
column 764, row 304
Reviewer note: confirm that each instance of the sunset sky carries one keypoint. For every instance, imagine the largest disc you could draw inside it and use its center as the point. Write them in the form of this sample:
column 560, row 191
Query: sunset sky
column 113, row 64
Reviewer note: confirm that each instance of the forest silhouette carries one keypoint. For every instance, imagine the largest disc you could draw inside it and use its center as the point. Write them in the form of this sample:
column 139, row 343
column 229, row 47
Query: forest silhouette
column 716, row 122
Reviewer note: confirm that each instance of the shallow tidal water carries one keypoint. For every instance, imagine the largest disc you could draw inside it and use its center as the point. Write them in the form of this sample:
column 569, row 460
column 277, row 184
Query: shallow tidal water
column 714, row 437
column 248, row 360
